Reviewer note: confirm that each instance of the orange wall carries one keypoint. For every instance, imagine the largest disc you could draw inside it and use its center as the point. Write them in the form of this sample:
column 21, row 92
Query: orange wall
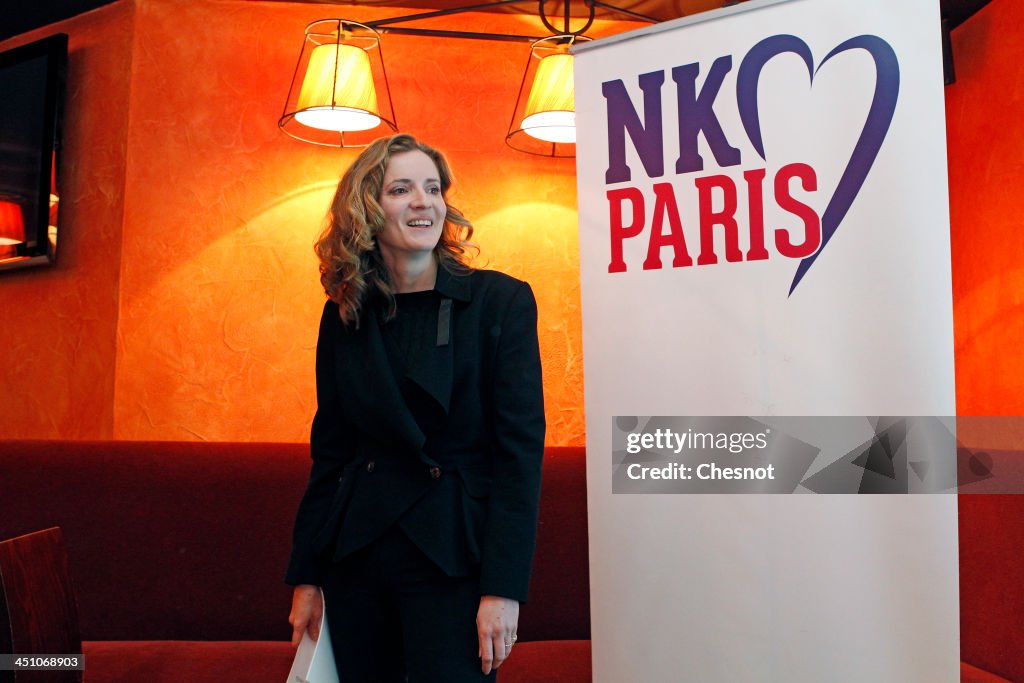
column 58, row 324
column 185, row 301
column 219, row 291
column 214, row 298
column 986, row 175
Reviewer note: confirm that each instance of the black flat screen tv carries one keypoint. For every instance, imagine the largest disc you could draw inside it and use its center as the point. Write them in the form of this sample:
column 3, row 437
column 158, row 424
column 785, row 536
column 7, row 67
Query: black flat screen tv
column 32, row 83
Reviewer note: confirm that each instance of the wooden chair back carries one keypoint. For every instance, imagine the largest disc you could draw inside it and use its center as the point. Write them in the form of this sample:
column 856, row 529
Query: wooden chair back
column 38, row 614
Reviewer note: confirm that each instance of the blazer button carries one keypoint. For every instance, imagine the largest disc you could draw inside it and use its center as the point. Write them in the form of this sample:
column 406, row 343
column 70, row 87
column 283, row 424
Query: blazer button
column 435, row 472
column 369, row 466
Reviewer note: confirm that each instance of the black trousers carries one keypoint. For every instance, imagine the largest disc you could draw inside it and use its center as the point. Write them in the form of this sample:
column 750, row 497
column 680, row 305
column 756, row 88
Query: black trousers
column 395, row 617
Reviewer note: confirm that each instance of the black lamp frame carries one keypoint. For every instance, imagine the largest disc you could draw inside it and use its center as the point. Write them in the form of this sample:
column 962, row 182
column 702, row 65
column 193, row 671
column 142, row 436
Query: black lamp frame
column 388, row 25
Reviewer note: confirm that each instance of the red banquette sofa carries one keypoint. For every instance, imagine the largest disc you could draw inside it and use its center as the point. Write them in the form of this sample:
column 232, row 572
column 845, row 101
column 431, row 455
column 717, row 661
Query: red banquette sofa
column 177, row 555
column 177, row 552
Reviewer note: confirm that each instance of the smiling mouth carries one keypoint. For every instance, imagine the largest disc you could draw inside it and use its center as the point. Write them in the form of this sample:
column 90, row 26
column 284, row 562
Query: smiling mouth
column 420, row 224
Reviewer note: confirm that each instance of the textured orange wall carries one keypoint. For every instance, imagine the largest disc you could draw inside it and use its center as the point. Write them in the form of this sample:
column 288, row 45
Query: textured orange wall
column 219, row 293
column 58, row 324
column 986, row 175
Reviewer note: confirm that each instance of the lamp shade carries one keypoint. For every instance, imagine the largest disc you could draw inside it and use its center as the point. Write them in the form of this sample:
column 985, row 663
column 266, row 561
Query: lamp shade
column 337, row 91
column 12, row 223
column 550, row 114
column 339, row 95
column 544, row 121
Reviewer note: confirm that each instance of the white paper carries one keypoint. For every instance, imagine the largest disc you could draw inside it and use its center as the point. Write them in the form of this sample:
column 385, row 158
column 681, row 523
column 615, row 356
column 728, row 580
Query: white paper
column 314, row 660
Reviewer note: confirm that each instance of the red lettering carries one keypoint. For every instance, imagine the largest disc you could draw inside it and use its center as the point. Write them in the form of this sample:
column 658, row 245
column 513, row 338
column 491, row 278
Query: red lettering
column 709, row 218
column 620, row 232
column 665, row 205
column 755, row 204
column 786, row 202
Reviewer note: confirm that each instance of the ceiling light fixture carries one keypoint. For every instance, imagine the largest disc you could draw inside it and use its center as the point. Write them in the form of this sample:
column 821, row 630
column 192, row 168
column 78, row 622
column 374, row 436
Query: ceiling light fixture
column 339, row 95
column 544, row 118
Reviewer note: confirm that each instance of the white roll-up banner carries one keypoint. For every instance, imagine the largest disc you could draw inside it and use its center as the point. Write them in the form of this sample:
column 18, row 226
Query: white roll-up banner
column 768, row 346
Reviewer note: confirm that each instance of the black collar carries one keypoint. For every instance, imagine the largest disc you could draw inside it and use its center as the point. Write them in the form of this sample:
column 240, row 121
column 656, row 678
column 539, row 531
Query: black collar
column 451, row 285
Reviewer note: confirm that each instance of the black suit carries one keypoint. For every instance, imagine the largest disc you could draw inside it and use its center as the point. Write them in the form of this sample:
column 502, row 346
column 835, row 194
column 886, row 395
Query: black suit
column 467, row 497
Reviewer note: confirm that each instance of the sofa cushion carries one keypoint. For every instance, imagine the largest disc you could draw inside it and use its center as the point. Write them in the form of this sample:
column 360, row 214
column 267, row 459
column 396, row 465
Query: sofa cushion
column 167, row 541
column 559, row 605
column 549, row 661
column 186, row 661
column 991, row 598
column 972, row 674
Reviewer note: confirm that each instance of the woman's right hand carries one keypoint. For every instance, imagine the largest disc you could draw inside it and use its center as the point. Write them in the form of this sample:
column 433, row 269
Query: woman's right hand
column 307, row 612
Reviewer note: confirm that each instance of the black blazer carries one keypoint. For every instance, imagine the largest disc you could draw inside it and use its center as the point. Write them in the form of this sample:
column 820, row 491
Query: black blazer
column 467, row 496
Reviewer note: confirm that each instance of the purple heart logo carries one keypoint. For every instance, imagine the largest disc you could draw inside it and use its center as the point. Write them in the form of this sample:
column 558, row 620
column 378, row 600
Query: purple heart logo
column 876, row 126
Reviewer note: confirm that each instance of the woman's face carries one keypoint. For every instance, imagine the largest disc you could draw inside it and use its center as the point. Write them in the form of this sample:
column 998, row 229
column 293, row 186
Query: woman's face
column 414, row 209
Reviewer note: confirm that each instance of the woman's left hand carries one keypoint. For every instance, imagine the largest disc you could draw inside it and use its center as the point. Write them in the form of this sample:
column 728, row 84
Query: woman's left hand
column 496, row 623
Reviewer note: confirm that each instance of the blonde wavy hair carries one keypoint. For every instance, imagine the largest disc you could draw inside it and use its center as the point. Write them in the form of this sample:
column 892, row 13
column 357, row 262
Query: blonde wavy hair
column 351, row 266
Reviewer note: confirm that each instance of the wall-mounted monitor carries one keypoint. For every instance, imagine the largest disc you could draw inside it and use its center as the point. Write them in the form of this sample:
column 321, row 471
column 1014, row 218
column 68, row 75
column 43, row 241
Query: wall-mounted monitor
column 32, row 81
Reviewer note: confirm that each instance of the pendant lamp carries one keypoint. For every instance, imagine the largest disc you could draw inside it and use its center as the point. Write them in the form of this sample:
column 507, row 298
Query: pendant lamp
column 339, row 95
column 544, row 120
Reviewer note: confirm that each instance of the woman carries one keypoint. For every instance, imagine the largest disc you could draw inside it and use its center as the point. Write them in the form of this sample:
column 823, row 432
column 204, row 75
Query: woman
column 419, row 519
